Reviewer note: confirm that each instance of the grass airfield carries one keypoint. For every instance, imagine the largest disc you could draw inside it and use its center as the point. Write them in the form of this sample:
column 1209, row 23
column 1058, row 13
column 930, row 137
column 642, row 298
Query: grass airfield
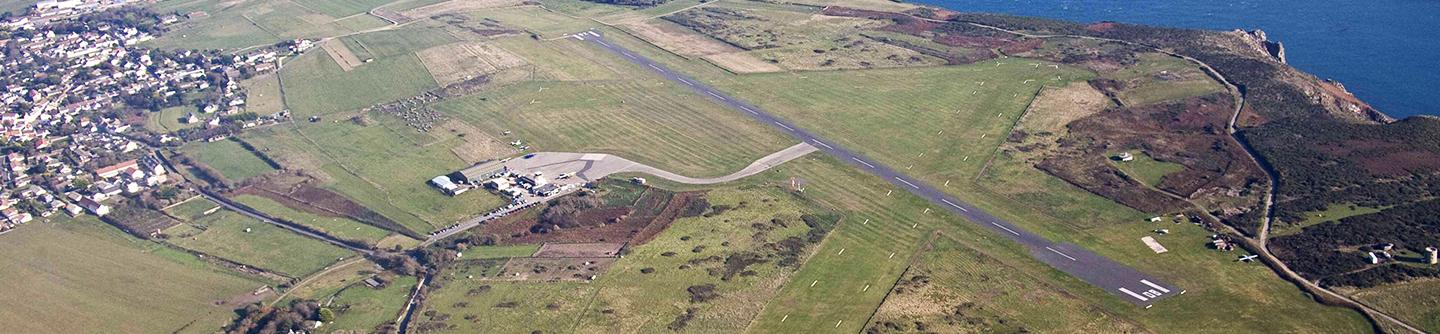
column 941, row 124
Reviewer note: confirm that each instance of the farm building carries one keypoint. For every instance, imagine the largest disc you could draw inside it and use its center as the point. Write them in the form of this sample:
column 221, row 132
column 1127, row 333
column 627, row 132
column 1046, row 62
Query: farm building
column 480, row 172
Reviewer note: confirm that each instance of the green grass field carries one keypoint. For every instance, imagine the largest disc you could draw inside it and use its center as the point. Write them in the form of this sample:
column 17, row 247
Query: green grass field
column 315, row 85
column 342, row 228
column 232, row 160
column 263, row 95
column 338, row 8
column 1146, row 169
column 1158, row 77
column 1334, row 212
column 366, row 307
column 1416, row 302
column 266, row 246
column 168, row 119
column 78, row 276
column 955, row 278
column 15, row 6
column 508, row 307
column 192, row 209
column 649, row 302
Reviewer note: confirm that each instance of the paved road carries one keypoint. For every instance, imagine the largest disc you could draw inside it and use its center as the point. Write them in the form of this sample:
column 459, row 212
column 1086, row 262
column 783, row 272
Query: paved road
column 1115, row 278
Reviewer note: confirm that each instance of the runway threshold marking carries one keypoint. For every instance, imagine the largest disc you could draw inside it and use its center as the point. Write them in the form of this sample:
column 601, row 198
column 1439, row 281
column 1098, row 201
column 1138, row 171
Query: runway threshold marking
column 862, row 162
column 1007, row 229
column 1156, row 286
column 912, row 185
column 1061, row 254
column 954, row 205
column 1133, row 294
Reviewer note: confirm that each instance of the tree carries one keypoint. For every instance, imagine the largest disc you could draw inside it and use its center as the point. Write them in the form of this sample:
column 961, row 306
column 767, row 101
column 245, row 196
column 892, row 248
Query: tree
column 327, row 315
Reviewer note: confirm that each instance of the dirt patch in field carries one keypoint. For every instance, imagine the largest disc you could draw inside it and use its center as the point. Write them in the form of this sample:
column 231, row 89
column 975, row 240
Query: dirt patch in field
column 681, row 41
column 590, row 250
column 341, row 55
column 299, row 192
column 1056, row 107
column 554, row 269
column 741, row 62
column 457, row 62
column 651, row 214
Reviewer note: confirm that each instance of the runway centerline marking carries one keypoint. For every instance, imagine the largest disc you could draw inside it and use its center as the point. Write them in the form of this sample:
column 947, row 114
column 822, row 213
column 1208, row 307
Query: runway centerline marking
column 1062, row 254
column 1007, row 229
column 787, row 127
column 912, row 185
column 957, row 206
column 716, row 95
column 821, row 143
column 863, row 162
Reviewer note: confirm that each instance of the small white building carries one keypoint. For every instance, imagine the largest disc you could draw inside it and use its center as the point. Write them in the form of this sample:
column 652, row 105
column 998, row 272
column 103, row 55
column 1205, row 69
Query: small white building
column 446, row 186
column 1126, row 156
column 1372, row 257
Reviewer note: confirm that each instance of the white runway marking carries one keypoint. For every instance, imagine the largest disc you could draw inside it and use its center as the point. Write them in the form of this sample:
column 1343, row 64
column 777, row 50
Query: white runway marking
column 787, row 316
column 717, row 96
column 787, row 127
column 953, row 204
column 627, row 54
column 1007, row 229
column 687, row 82
column 912, row 185
column 1061, row 254
column 815, row 282
column 1133, row 294
column 867, row 222
column 837, row 323
column 842, row 251
column 862, row 162
column 867, row 288
column 892, row 255
column 817, row 142
column 657, row 68
column 1156, row 286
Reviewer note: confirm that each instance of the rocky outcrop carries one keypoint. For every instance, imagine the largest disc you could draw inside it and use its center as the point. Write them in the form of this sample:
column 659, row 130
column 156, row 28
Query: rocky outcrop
column 1260, row 41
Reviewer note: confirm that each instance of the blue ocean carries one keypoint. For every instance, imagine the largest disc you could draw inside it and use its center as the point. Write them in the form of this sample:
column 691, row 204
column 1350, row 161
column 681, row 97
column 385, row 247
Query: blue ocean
column 1387, row 52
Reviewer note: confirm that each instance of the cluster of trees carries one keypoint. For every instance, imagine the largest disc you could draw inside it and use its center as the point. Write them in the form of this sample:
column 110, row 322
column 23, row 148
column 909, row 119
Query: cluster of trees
column 415, row 262
column 564, row 212
column 256, row 319
column 140, row 18
column 637, row 3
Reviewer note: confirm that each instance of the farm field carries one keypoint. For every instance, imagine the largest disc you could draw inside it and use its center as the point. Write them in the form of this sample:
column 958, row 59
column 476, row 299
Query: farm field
column 342, row 228
column 231, row 236
column 74, row 276
column 229, row 158
column 316, row 86
column 363, row 308
column 232, row 26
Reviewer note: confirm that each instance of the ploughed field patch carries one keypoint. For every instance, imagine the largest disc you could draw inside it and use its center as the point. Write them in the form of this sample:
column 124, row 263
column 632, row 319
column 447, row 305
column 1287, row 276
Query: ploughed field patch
column 296, row 191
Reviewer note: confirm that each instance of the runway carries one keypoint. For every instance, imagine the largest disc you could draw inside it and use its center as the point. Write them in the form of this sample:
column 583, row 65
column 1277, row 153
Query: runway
column 1117, row 279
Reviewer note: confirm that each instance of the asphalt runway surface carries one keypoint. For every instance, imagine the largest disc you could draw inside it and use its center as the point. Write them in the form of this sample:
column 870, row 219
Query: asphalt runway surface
column 1117, row 279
